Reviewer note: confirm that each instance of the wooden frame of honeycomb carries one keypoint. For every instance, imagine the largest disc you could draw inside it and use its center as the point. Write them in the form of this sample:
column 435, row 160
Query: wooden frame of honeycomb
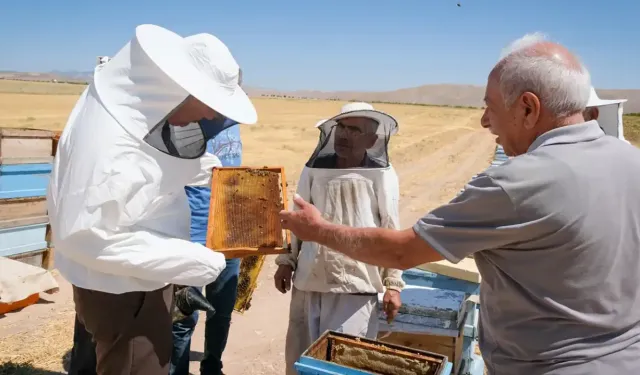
column 244, row 211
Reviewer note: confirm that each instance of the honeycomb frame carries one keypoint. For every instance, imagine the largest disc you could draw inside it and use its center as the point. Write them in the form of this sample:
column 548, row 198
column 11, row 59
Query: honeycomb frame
column 251, row 203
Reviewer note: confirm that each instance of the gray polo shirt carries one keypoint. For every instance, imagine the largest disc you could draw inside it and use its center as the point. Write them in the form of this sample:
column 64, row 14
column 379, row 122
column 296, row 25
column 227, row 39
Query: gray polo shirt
column 556, row 237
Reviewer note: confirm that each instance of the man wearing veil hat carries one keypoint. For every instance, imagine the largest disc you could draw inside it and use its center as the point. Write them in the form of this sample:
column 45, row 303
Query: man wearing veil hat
column 608, row 113
column 117, row 205
column 350, row 180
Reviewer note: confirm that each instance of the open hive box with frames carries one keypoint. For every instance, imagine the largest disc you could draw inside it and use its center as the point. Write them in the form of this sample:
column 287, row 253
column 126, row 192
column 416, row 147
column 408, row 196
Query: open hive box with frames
column 339, row 353
column 244, row 220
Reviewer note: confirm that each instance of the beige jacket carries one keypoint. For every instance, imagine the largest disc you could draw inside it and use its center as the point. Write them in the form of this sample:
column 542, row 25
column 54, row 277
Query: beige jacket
column 357, row 198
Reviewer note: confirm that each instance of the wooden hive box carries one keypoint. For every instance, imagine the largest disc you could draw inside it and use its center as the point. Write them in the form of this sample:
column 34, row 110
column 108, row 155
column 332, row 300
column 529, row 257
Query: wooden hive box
column 24, row 180
column 339, row 353
column 19, row 208
column 24, row 235
column 25, row 146
column 430, row 319
column 244, row 221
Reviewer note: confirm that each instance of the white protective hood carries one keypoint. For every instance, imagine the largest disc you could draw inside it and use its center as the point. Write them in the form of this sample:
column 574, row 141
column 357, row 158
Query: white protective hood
column 118, row 210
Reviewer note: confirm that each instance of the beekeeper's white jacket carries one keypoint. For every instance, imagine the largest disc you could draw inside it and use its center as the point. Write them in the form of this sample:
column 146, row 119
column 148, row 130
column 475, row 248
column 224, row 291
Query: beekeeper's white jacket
column 118, row 210
column 358, row 198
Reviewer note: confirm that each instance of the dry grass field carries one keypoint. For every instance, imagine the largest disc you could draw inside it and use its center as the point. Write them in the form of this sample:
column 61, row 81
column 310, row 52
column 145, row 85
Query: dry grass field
column 436, row 151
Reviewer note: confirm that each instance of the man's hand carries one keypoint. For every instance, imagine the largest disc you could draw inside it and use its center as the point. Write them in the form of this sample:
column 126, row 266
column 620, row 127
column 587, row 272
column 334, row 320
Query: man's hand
column 283, row 277
column 305, row 222
column 391, row 304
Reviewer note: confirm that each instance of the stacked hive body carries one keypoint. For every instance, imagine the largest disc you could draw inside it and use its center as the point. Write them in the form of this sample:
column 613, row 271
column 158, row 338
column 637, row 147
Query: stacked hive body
column 438, row 314
column 26, row 157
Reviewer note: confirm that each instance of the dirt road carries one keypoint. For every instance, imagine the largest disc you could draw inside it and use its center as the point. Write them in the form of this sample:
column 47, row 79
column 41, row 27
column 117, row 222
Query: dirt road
column 434, row 158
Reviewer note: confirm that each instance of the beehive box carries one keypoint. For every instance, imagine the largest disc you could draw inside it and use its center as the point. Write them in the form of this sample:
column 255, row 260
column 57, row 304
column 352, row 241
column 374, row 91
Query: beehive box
column 338, row 353
column 18, row 208
column 24, row 180
column 20, row 236
column 25, row 146
column 244, row 211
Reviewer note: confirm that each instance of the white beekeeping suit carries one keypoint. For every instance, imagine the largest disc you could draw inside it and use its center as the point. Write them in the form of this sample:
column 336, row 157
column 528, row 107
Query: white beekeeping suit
column 116, row 200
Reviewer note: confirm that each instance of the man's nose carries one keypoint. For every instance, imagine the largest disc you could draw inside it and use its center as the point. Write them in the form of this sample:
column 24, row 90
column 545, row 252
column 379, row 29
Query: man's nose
column 484, row 120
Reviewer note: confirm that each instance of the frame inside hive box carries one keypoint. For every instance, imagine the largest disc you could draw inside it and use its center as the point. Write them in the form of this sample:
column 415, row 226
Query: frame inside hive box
column 244, row 211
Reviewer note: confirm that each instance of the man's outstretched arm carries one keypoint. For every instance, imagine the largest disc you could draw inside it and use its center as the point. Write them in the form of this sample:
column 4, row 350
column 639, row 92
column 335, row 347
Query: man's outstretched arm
column 389, row 248
column 482, row 217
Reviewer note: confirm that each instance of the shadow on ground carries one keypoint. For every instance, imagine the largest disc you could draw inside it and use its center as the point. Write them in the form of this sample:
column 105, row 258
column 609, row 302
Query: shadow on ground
column 196, row 356
column 66, row 360
column 11, row 368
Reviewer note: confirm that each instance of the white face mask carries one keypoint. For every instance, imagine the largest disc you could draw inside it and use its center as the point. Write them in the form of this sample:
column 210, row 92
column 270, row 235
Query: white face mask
column 185, row 142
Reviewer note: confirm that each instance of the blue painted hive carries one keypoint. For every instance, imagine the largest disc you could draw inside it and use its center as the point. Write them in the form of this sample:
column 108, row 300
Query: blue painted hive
column 26, row 157
column 437, row 315
column 24, row 180
column 338, row 353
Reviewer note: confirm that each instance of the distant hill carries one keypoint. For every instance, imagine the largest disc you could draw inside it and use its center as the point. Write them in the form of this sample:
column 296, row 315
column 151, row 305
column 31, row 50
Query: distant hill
column 450, row 95
column 442, row 94
column 70, row 76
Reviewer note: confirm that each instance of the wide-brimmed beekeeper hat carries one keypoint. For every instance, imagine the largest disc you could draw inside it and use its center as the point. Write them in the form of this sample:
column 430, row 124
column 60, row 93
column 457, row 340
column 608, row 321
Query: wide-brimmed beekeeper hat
column 595, row 101
column 387, row 124
column 320, row 122
column 377, row 155
column 212, row 77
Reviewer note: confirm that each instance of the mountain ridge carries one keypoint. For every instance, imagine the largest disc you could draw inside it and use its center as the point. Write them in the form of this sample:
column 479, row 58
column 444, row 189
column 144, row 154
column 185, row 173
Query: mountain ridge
column 429, row 94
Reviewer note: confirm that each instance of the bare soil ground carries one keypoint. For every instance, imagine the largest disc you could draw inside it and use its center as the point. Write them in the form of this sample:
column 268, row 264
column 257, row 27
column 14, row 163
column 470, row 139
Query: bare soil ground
column 435, row 153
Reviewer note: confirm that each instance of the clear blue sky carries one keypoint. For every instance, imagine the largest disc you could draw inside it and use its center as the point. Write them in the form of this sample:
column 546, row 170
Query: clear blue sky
column 331, row 44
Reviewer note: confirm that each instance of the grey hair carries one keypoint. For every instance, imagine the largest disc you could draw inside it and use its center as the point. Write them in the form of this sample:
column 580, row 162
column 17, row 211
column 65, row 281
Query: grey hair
column 562, row 89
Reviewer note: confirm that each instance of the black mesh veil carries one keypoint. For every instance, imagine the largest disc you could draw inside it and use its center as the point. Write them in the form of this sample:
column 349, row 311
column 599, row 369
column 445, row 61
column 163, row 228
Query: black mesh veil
column 185, row 142
column 365, row 142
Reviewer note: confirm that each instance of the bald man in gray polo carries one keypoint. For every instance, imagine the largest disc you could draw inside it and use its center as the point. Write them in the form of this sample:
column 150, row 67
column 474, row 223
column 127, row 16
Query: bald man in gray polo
column 555, row 231
column 555, row 236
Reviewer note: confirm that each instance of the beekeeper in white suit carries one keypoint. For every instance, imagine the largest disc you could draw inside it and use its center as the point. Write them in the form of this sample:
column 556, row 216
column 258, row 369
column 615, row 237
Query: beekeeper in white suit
column 116, row 200
column 350, row 180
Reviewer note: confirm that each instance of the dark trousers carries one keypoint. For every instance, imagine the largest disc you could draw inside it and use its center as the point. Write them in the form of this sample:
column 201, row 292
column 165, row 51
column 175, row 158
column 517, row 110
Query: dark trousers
column 83, row 353
column 222, row 295
column 131, row 331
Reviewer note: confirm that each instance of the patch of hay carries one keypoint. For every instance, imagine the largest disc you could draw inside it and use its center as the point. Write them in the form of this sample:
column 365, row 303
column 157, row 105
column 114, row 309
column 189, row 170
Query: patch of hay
column 40, row 349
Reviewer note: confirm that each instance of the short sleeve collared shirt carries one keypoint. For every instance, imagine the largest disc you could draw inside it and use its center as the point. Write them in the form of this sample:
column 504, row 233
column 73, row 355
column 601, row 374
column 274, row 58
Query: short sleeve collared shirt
column 555, row 234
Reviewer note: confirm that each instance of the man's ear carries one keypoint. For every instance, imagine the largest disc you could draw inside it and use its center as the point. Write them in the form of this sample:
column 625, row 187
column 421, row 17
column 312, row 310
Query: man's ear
column 531, row 108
